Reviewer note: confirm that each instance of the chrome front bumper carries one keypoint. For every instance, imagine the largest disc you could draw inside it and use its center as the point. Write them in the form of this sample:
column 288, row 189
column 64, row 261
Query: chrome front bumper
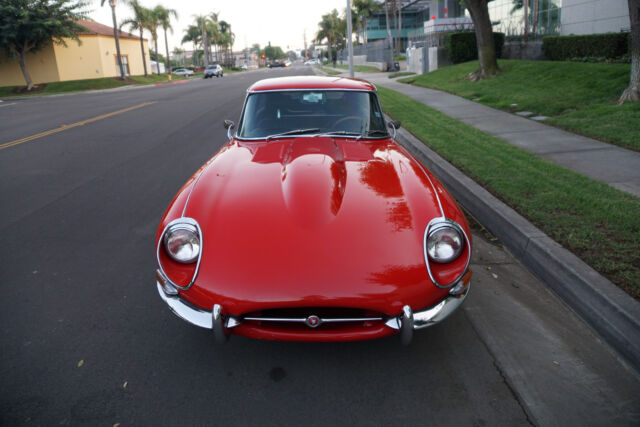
column 406, row 322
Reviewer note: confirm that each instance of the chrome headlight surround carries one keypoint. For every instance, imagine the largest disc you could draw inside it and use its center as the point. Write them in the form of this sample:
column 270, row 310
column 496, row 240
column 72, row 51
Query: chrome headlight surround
column 182, row 242
column 180, row 224
column 440, row 224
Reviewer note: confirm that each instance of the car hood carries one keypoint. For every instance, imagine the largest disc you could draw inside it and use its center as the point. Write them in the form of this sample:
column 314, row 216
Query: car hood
column 300, row 221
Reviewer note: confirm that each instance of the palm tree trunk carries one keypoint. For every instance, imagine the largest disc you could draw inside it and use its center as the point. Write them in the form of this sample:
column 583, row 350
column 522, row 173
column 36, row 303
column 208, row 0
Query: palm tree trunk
column 144, row 60
column 23, row 66
column 525, row 3
column 632, row 92
column 389, row 38
column 166, row 45
column 400, row 29
column 395, row 25
column 364, row 31
column 155, row 42
column 536, row 7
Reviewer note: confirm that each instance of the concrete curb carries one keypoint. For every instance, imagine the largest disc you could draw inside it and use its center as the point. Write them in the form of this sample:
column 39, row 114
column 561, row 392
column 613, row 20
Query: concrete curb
column 613, row 314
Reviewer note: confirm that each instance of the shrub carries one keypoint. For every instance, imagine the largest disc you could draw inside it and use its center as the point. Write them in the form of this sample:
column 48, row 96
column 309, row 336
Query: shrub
column 462, row 47
column 563, row 48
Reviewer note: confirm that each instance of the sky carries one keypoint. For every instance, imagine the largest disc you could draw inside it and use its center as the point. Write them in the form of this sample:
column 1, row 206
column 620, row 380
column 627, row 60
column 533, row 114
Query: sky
column 281, row 22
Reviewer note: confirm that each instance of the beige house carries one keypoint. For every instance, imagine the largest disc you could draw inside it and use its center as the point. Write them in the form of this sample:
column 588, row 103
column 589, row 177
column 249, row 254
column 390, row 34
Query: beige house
column 94, row 58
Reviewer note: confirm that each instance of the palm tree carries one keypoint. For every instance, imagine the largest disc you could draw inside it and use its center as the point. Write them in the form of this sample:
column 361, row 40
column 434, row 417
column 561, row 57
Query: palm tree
column 330, row 28
column 365, row 10
column 226, row 40
column 193, row 35
column 138, row 22
column 356, row 23
column 213, row 30
column 153, row 22
column 201, row 23
column 164, row 18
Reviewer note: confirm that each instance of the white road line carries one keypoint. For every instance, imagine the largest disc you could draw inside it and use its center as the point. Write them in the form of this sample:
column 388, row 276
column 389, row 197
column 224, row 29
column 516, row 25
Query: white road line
column 6, row 105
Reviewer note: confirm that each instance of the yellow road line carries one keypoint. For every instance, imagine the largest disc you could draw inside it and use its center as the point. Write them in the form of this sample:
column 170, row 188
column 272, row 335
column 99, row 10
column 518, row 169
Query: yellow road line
column 65, row 127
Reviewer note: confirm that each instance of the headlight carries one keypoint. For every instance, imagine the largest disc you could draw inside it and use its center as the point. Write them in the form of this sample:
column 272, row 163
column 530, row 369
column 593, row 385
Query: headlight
column 182, row 242
column 444, row 243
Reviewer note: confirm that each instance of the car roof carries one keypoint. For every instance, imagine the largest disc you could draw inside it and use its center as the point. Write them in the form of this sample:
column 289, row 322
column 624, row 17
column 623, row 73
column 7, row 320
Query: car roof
column 311, row 82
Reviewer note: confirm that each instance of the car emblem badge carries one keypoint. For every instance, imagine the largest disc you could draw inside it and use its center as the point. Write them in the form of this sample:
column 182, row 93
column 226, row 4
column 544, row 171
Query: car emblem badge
column 312, row 321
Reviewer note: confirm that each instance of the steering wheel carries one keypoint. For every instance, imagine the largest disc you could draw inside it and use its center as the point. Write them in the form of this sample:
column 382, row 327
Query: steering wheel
column 345, row 119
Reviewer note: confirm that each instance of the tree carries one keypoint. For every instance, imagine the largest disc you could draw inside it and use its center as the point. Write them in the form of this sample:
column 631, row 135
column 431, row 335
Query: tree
column 487, row 61
column 138, row 22
column 164, row 18
column 366, row 9
column 201, row 22
column 632, row 92
column 332, row 29
column 27, row 26
column 112, row 4
column 193, row 35
column 153, row 22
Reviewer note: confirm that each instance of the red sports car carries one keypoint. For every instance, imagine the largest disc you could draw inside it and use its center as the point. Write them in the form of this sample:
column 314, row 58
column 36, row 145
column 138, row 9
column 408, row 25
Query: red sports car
column 313, row 224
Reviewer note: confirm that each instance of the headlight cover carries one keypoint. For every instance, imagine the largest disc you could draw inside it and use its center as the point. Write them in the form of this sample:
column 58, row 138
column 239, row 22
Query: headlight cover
column 445, row 242
column 182, row 242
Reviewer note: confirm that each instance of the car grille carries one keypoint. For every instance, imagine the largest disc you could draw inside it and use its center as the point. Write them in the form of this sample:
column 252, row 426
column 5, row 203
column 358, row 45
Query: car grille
column 314, row 317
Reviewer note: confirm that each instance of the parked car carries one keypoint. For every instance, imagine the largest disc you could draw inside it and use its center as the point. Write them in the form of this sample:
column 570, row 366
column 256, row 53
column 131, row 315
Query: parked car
column 183, row 72
column 311, row 62
column 244, row 67
column 275, row 64
column 213, row 70
column 313, row 224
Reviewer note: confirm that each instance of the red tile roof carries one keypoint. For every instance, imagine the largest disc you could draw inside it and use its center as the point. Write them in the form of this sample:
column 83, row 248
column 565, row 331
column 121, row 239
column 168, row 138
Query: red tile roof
column 94, row 28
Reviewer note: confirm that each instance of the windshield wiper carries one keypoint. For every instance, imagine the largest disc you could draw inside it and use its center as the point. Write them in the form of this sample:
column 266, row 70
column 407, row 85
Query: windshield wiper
column 342, row 132
column 377, row 131
column 293, row 132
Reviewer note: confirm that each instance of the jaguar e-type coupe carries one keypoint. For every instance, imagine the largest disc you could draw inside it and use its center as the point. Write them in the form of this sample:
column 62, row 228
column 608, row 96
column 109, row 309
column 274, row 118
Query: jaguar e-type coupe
column 313, row 224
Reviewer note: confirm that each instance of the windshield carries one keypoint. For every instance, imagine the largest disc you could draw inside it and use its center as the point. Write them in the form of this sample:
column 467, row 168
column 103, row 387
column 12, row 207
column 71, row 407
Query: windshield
column 323, row 111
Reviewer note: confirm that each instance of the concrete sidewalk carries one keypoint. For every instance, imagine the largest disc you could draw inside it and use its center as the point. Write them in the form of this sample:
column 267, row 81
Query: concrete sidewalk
column 604, row 162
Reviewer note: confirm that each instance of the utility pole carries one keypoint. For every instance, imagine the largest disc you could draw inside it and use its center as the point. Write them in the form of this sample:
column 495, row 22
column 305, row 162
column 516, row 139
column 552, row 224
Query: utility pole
column 112, row 3
column 349, row 44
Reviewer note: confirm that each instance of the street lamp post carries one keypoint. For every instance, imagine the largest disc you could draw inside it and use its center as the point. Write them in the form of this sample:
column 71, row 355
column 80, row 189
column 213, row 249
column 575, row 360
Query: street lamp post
column 349, row 44
column 112, row 3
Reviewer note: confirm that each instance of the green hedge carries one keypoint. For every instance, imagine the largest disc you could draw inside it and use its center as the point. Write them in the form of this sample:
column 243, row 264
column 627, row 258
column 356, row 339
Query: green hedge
column 462, row 47
column 564, row 48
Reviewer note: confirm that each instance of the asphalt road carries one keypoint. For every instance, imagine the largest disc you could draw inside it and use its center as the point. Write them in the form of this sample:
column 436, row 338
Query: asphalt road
column 85, row 339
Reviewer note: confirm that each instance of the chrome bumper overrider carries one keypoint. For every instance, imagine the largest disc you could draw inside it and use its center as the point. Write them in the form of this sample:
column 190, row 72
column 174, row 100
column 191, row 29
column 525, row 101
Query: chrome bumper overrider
column 406, row 322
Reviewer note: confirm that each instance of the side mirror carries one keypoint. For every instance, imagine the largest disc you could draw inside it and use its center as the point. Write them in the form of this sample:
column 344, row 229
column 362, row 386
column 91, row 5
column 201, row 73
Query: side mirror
column 394, row 124
column 228, row 125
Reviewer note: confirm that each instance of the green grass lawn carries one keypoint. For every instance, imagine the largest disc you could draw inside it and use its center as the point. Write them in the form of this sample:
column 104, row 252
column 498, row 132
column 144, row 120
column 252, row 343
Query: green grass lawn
column 329, row 71
column 360, row 68
column 579, row 97
column 401, row 74
column 596, row 222
column 89, row 84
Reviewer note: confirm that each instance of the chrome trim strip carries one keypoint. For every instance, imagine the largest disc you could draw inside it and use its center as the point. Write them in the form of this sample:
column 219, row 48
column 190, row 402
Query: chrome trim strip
column 186, row 203
column 304, row 319
column 432, row 223
column 406, row 152
column 184, row 220
column 191, row 314
column 318, row 89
